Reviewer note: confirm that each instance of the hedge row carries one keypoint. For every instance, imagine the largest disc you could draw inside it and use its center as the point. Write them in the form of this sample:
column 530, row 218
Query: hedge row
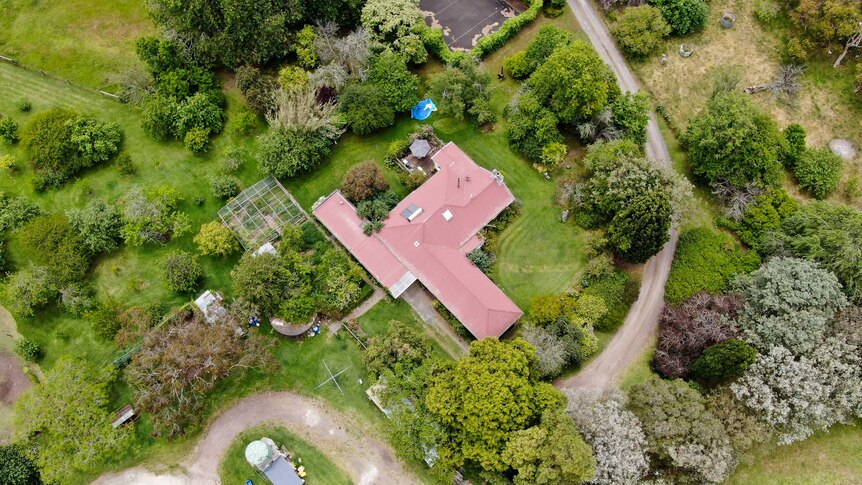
column 436, row 44
column 706, row 260
column 510, row 27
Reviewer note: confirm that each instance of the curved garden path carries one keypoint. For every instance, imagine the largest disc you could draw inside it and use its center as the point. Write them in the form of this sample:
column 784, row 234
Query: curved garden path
column 348, row 443
column 639, row 327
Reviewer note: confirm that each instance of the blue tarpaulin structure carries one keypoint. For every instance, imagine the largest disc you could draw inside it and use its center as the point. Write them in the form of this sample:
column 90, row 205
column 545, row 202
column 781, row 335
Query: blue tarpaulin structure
column 423, row 109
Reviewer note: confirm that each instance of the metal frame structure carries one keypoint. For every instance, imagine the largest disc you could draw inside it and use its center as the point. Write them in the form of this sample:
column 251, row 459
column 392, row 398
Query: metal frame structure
column 257, row 215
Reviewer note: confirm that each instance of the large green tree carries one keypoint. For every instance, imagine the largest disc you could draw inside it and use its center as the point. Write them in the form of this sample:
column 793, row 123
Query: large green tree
column 639, row 30
column 266, row 281
column 16, row 467
column 731, row 139
column 70, row 412
column 389, row 73
column 830, row 234
column 230, row 33
column 551, row 452
column 53, row 242
column 683, row 437
column 684, row 16
column 574, row 83
column 640, row 230
column 286, row 152
column 486, row 397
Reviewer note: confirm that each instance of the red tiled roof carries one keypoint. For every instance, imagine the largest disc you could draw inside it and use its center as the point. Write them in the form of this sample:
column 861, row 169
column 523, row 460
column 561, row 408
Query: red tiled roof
column 339, row 216
column 456, row 203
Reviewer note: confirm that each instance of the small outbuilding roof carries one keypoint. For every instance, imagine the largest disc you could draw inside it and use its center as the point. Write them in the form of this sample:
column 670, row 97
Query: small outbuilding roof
column 258, row 453
column 281, row 472
column 420, row 148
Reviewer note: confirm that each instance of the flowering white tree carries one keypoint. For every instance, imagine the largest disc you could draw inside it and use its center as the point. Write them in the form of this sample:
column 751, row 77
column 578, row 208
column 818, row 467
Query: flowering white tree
column 618, row 442
column 800, row 395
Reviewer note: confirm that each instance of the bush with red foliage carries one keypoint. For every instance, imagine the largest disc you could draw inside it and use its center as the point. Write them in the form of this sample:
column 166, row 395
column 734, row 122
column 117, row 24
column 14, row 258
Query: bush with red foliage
column 687, row 330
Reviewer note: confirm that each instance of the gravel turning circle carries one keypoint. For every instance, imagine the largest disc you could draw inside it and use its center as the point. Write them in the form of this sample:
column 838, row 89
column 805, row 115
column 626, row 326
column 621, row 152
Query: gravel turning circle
column 339, row 436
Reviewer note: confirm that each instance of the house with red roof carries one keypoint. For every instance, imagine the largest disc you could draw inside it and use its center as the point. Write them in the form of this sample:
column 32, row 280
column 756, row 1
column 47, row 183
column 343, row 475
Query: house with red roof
column 427, row 237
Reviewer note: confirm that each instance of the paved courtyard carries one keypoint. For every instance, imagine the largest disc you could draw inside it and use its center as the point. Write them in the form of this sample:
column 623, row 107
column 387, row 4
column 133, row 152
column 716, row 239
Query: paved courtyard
column 465, row 21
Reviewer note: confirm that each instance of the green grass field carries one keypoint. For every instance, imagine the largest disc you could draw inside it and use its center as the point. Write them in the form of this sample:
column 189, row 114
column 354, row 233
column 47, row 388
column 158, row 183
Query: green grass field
column 79, row 40
column 235, row 470
column 827, row 458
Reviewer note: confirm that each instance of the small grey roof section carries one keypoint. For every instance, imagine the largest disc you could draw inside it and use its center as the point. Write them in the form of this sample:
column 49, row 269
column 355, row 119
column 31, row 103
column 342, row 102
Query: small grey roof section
column 281, row 473
column 420, row 148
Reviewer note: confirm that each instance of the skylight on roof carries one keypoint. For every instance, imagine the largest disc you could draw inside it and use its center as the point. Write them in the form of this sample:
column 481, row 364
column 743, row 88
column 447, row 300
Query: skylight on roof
column 411, row 212
column 448, row 215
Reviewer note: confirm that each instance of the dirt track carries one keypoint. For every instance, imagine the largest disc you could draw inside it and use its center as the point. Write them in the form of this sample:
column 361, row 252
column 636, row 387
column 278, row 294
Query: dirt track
column 640, row 324
column 343, row 440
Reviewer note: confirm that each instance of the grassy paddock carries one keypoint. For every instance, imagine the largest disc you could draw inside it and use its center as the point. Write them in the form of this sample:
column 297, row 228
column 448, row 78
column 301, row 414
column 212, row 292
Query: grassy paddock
column 826, row 106
column 79, row 40
column 321, row 471
column 827, row 458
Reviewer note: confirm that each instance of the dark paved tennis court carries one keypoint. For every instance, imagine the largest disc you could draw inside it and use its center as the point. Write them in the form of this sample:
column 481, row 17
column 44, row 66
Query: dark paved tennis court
column 465, row 21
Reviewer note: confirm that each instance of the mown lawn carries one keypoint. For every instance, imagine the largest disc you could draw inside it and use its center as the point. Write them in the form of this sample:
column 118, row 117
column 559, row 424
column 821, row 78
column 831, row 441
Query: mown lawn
column 79, row 40
column 826, row 458
column 321, row 471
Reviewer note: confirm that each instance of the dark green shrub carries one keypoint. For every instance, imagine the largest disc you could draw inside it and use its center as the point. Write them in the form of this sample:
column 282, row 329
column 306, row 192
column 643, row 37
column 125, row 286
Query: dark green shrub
column 724, row 361
column 27, row 349
column 640, row 30
column 285, row 153
column 124, row 164
column 182, row 272
column 366, row 108
column 24, row 105
column 482, row 259
column 105, row 319
column 16, row 466
column 547, row 40
column 52, row 241
column 199, row 111
column 795, row 136
column 819, row 172
column 684, row 16
column 8, row 129
column 197, row 140
column 618, row 291
column 706, row 260
column 766, row 213
column 224, row 186
column 158, row 114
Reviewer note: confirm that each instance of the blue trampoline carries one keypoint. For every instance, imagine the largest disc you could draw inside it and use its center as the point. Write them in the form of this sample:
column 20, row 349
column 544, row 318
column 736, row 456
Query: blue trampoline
column 423, row 109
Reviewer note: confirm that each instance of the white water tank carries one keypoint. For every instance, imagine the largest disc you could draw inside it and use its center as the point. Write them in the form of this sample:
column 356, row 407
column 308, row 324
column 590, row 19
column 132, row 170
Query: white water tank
column 258, row 454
